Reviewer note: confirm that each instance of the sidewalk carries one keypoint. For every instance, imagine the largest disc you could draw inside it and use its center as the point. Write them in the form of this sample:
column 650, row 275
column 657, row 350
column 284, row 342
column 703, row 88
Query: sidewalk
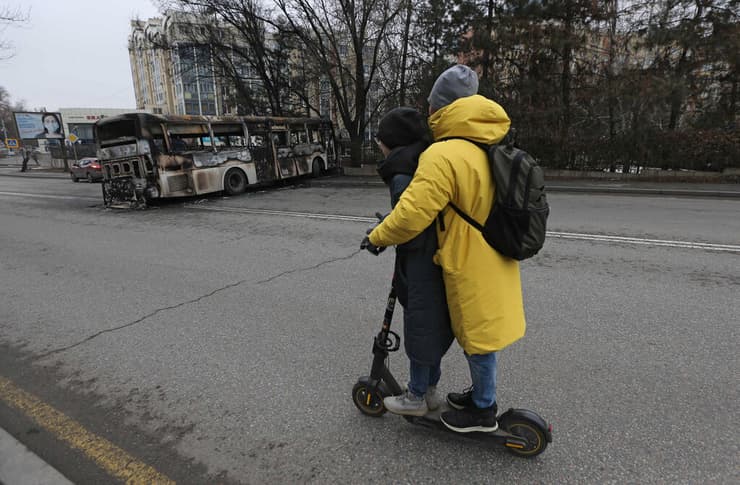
column 12, row 166
column 33, row 172
column 19, row 465
column 583, row 186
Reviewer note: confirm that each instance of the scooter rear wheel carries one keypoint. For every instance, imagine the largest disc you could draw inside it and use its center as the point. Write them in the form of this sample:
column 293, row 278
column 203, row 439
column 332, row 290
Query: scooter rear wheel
column 530, row 431
column 368, row 401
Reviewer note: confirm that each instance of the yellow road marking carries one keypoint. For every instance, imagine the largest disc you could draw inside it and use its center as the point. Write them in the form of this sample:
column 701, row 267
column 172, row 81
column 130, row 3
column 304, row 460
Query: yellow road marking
column 105, row 454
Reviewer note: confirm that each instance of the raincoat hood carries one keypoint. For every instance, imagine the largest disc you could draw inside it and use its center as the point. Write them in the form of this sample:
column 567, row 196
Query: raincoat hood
column 474, row 117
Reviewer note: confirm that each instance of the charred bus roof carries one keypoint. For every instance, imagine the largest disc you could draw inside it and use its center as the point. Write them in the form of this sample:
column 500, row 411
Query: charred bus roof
column 145, row 119
column 130, row 126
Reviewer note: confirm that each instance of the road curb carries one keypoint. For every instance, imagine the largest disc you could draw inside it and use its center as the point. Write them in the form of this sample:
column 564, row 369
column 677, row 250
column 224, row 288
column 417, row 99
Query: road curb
column 725, row 194
column 19, row 465
column 670, row 192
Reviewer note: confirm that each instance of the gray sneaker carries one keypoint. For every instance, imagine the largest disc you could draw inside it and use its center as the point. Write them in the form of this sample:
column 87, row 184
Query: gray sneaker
column 434, row 400
column 406, row 404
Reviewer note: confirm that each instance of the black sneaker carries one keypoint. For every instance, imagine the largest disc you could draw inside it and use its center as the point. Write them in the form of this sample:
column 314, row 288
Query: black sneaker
column 471, row 419
column 461, row 400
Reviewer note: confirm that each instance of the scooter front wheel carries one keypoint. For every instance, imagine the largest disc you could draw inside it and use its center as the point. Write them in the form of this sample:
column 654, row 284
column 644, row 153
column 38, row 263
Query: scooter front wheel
column 534, row 436
column 368, row 401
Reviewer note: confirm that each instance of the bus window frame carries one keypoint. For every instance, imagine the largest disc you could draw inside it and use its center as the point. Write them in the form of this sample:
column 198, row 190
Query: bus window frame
column 213, row 138
column 228, row 134
column 195, row 135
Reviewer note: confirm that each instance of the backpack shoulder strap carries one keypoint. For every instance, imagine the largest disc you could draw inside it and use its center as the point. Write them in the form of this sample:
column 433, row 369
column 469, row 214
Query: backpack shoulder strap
column 467, row 218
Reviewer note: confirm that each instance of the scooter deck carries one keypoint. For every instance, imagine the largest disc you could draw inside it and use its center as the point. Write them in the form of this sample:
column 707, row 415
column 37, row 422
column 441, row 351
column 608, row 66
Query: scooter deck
column 433, row 420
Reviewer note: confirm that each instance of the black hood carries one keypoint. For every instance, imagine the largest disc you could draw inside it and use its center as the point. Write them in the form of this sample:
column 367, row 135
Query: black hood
column 401, row 160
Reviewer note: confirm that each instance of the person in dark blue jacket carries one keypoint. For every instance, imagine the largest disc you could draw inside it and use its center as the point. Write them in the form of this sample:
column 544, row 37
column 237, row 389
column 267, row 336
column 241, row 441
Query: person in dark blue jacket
column 403, row 134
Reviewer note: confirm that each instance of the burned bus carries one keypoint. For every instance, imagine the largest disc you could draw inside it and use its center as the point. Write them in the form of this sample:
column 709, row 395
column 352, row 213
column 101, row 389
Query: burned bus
column 146, row 156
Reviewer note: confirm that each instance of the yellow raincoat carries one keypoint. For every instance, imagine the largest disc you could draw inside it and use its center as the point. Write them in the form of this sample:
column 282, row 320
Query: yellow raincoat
column 483, row 288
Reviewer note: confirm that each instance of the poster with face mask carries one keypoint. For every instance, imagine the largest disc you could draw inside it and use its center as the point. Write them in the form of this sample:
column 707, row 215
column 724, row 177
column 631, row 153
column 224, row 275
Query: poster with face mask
column 32, row 126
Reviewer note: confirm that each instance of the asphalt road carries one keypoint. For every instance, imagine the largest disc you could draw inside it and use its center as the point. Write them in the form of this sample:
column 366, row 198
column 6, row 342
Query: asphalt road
column 218, row 342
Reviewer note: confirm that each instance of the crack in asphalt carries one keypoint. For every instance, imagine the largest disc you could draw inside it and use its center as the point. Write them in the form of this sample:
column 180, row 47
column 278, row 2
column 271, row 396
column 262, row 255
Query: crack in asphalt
column 194, row 300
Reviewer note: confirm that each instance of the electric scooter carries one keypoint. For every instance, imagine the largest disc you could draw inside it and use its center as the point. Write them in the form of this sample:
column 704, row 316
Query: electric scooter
column 521, row 431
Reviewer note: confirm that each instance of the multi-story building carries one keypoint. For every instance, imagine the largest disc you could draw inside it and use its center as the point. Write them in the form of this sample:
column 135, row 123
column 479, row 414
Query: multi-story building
column 151, row 67
column 175, row 70
column 172, row 73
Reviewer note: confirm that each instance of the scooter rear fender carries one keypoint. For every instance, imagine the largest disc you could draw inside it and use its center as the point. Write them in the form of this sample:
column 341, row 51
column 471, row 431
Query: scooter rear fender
column 526, row 414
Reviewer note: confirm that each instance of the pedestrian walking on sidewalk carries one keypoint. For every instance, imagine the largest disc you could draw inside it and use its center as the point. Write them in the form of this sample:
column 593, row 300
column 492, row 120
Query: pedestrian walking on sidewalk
column 25, row 154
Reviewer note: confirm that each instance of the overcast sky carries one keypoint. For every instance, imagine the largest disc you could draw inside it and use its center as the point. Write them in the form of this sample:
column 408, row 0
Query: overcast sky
column 72, row 53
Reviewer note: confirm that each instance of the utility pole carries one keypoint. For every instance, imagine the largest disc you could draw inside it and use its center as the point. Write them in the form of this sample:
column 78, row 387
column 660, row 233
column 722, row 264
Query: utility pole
column 63, row 143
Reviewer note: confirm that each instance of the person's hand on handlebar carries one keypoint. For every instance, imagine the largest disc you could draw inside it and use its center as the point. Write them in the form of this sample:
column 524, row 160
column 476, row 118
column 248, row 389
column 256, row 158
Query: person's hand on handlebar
column 370, row 247
column 366, row 244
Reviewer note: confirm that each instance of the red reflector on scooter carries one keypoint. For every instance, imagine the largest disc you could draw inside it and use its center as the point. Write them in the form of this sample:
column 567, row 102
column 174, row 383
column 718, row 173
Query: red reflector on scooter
column 549, row 428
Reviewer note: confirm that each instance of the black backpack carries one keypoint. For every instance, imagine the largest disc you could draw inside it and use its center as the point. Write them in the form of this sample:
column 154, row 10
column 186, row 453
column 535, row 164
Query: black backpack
column 516, row 225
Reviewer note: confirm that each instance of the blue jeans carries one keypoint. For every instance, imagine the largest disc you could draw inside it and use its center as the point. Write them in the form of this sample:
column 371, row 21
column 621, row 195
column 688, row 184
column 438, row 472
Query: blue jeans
column 483, row 374
column 423, row 376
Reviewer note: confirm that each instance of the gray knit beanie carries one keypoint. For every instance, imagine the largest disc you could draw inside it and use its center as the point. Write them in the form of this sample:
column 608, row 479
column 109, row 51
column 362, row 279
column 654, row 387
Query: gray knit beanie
column 456, row 82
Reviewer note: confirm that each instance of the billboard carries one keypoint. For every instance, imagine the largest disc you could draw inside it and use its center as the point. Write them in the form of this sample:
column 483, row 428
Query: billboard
column 33, row 126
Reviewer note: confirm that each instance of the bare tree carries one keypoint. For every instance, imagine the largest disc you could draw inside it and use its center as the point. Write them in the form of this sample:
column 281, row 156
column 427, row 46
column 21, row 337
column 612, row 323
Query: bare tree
column 249, row 49
column 586, row 82
column 724, row 52
column 10, row 16
column 344, row 38
column 6, row 112
column 404, row 55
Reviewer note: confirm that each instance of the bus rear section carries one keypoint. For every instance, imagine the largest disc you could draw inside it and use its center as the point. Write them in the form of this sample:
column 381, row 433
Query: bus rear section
column 125, row 155
column 146, row 157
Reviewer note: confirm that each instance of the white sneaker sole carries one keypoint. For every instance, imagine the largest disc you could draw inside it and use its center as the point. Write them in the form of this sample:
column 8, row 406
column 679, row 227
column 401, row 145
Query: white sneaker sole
column 406, row 412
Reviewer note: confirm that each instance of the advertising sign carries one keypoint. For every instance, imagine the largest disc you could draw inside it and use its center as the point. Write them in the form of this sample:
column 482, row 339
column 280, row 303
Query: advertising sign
column 34, row 126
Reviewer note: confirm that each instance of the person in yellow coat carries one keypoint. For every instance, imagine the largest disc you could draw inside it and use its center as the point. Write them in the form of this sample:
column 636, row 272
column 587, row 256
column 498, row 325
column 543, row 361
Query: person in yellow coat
column 483, row 287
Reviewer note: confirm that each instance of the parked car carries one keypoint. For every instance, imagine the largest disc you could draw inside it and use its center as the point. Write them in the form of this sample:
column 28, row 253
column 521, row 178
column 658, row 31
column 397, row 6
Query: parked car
column 86, row 168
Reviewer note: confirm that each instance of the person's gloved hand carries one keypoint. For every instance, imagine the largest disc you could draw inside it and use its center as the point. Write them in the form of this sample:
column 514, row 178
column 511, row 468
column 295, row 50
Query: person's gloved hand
column 370, row 247
column 366, row 244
